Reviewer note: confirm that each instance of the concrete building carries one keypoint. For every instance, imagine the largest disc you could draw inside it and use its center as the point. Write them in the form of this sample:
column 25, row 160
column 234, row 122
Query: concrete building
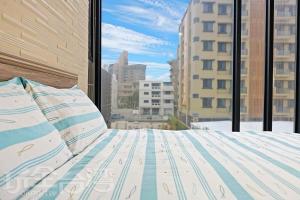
column 106, row 98
column 174, row 77
column 114, row 93
column 156, row 99
column 205, row 60
column 128, row 77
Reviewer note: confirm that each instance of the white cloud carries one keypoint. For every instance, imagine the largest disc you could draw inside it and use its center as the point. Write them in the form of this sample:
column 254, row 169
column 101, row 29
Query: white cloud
column 152, row 65
column 163, row 77
column 117, row 38
column 148, row 17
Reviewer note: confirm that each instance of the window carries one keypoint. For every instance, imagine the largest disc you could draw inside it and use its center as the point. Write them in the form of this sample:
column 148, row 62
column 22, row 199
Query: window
column 207, row 102
column 207, row 45
column 222, row 47
column 190, row 49
column 208, row 26
column 195, row 96
column 196, row 39
column 195, row 58
column 208, row 7
column 207, row 64
column 196, row 76
column 222, row 28
column 207, row 83
column 221, row 84
column 221, row 65
column 168, row 101
column 223, row 9
column 291, row 85
column 221, row 103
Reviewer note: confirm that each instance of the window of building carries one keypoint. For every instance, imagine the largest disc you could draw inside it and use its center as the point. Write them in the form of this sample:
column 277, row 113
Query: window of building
column 196, row 1
column 195, row 96
column 146, row 101
column 207, row 102
column 208, row 26
column 221, row 84
column 167, row 101
column 207, row 64
column 291, row 85
column 208, row 7
column 146, row 93
column 195, row 76
column 291, row 103
column 207, row 45
column 223, row 9
column 222, row 47
column 207, row 83
column 167, row 92
column 195, row 58
column 222, row 28
column 196, row 39
column 146, row 85
column 196, row 20
column 221, row 65
column 221, row 103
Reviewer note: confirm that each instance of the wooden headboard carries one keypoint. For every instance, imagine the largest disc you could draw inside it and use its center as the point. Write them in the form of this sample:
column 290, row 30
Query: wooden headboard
column 11, row 66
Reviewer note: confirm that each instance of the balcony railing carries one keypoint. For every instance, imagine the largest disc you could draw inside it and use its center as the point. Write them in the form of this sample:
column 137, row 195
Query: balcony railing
column 282, row 90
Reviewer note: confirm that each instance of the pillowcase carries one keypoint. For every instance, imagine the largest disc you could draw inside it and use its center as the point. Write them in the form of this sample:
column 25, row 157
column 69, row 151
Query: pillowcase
column 30, row 147
column 72, row 113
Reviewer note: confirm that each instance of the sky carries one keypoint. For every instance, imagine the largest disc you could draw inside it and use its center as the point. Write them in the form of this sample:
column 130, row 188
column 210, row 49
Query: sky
column 147, row 29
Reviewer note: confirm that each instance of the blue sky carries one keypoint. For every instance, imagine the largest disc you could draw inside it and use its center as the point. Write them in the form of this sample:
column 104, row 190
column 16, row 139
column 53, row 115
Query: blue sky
column 147, row 29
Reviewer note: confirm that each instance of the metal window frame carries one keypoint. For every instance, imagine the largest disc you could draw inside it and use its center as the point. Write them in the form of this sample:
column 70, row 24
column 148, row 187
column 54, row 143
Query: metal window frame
column 297, row 79
column 97, row 20
column 269, row 59
column 236, row 73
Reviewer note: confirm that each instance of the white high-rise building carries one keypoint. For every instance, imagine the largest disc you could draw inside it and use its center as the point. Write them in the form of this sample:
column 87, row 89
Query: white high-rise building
column 156, row 99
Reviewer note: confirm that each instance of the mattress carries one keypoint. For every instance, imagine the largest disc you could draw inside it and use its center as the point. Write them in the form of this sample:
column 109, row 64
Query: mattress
column 156, row 164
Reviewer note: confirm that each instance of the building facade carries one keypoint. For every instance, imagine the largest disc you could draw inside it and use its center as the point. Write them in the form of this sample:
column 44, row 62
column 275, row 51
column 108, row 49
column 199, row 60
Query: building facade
column 127, row 77
column 156, row 99
column 174, row 77
column 205, row 60
column 106, row 98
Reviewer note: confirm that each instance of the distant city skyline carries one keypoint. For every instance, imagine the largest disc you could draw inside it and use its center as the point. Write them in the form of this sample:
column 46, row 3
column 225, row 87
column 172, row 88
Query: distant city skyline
column 147, row 29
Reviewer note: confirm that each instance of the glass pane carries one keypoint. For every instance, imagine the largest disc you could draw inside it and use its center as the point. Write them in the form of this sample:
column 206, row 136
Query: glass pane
column 284, row 65
column 170, row 63
column 139, row 48
column 252, row 64
column 205, row 83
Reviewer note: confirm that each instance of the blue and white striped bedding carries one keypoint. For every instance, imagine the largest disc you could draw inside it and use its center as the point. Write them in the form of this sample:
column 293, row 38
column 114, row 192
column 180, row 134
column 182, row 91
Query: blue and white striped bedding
column 155, row 164
column 30, row 147
column 72, row 113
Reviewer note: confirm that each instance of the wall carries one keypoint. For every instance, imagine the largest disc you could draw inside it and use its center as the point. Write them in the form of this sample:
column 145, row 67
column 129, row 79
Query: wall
column 50, row 32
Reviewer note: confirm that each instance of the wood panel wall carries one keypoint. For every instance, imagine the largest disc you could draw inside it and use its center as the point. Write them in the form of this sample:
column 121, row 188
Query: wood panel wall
column 53, row 33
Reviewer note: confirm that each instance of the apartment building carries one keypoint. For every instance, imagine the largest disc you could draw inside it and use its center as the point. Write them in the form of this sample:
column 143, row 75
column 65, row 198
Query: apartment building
column 174, row 77
column 156, row 99
column 205, row 60
column 128, row 77
column 106, row 78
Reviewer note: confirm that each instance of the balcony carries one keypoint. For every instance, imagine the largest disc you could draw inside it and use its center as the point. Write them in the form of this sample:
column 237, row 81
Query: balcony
column 282, row 90
column 283, row 72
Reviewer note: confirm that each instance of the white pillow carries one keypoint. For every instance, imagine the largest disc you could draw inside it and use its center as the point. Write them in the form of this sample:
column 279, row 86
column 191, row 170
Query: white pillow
column 72, row 113
column 30, row 147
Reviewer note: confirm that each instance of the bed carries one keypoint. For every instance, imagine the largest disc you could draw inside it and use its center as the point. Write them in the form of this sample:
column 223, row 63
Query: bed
column 156, row 164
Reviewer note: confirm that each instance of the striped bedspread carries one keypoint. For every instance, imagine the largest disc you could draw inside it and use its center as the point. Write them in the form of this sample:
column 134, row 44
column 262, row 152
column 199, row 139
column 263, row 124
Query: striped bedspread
column 155, row 164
